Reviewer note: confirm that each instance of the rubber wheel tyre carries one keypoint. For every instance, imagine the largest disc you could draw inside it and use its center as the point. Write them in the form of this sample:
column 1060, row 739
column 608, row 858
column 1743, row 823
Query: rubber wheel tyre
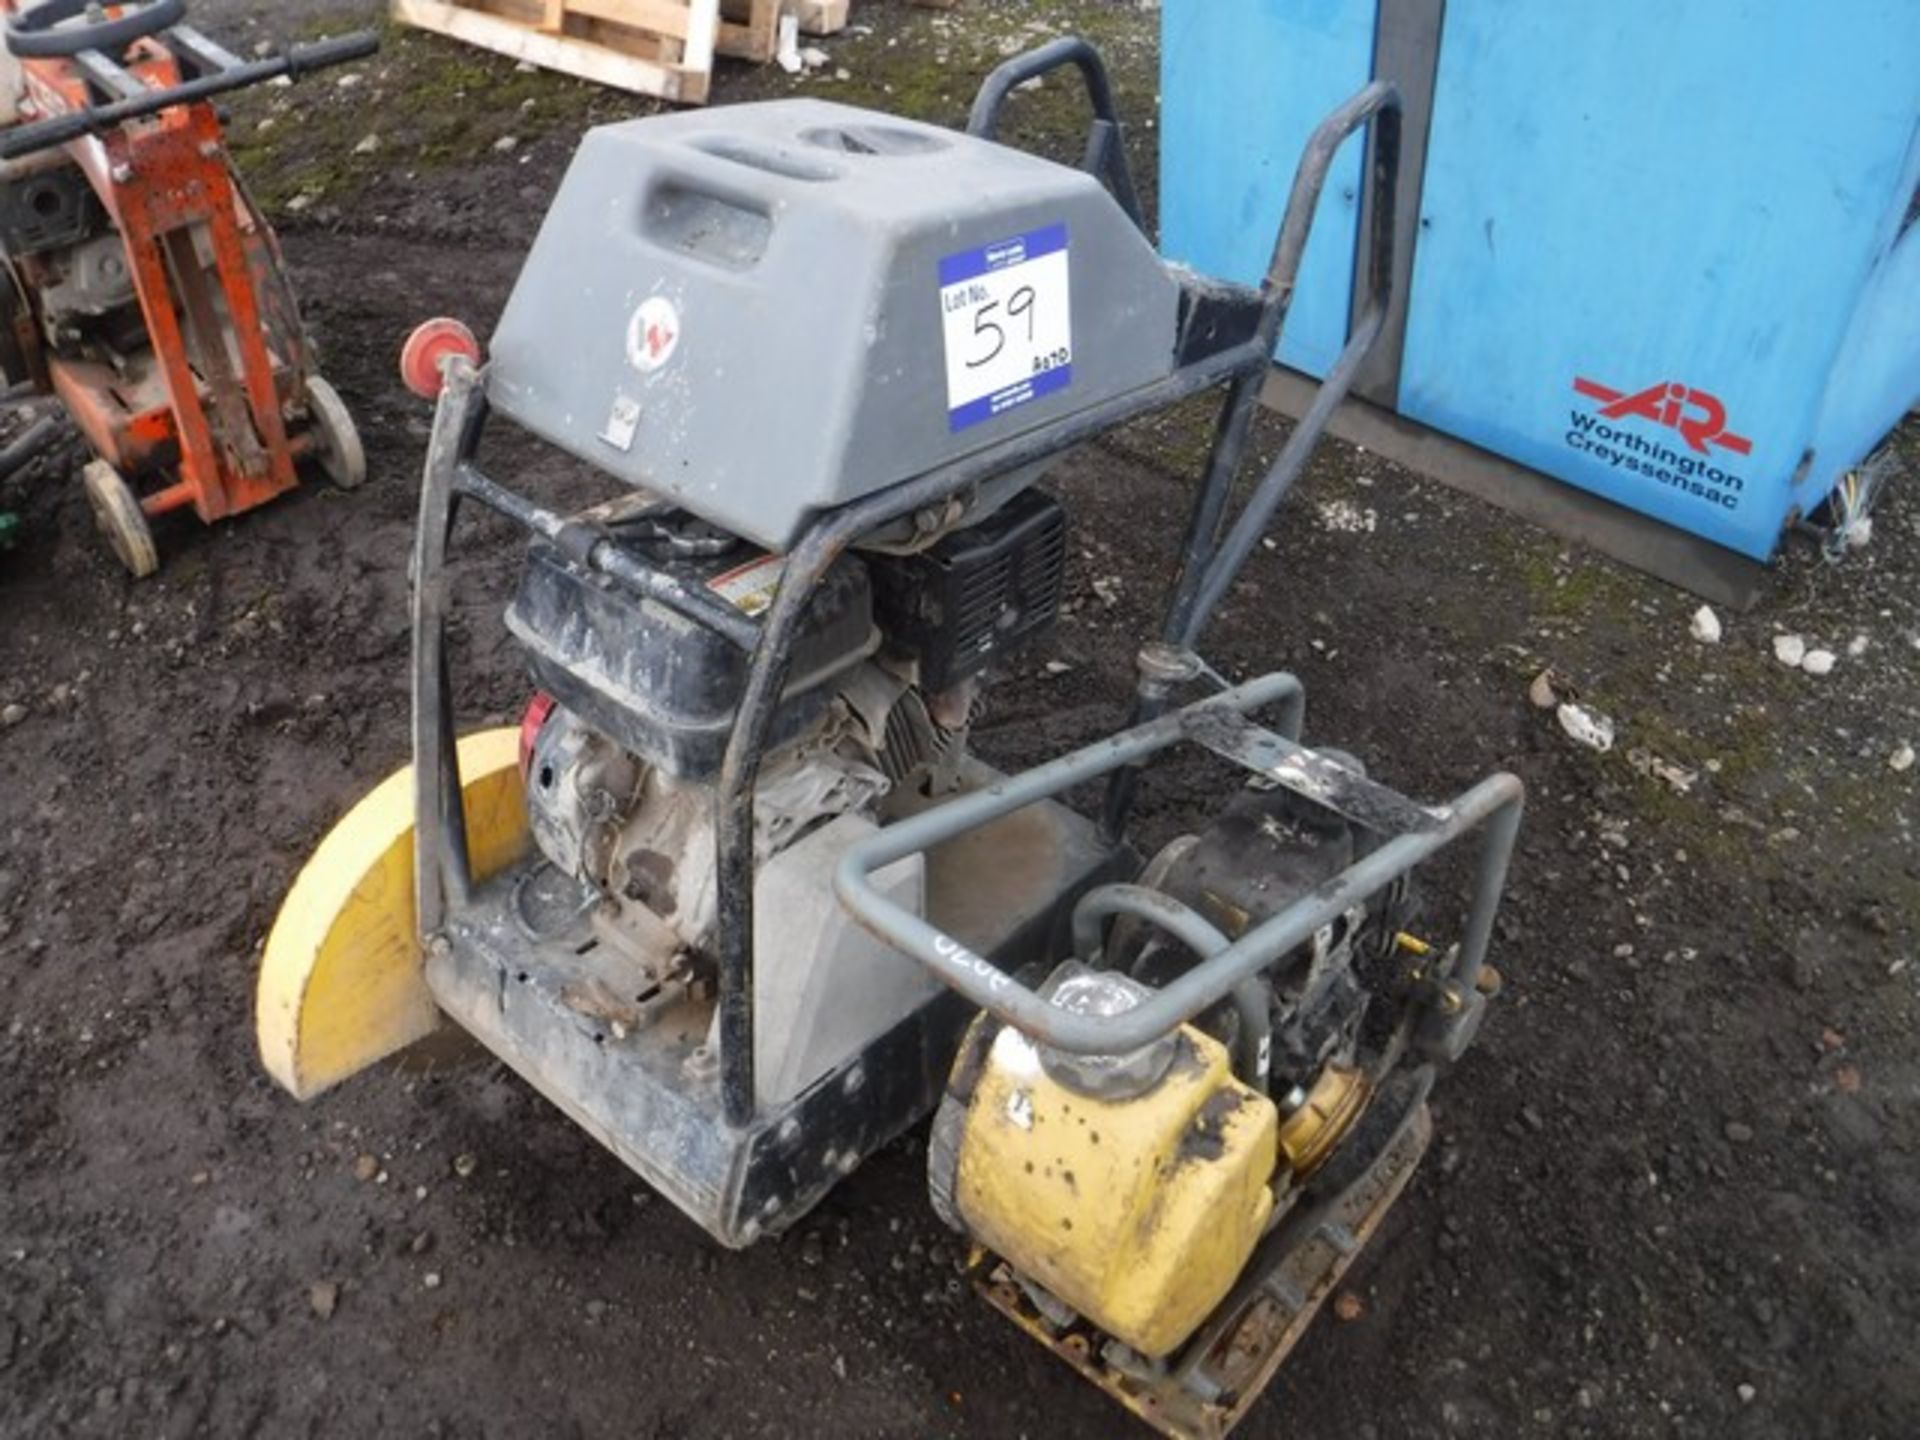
column 43, row 30
column 116, row 510
column 337, row 445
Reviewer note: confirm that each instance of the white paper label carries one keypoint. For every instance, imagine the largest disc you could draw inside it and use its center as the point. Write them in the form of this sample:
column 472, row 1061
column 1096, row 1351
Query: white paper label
column 1007, row 321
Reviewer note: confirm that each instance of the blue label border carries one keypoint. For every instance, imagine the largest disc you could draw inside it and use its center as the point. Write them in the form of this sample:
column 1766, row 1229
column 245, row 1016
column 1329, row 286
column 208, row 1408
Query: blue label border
column 984, row 260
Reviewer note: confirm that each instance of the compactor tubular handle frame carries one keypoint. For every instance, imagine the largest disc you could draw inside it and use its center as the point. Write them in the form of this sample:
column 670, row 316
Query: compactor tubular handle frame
column 1239, row 358
column 1494, row 804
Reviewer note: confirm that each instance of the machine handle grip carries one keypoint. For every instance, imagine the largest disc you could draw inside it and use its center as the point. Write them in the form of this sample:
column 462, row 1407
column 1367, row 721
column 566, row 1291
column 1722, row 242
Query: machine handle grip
column 1106, row 154
column 324, row 54
column 96, row 119
column 43, row 30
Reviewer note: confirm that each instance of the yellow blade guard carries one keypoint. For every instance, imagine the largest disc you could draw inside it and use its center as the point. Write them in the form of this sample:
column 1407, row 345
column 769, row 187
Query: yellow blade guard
column 340, row 983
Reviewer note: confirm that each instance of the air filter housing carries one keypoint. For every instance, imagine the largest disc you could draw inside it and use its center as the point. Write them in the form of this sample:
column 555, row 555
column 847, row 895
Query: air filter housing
column 767, row 310
column 965, row 602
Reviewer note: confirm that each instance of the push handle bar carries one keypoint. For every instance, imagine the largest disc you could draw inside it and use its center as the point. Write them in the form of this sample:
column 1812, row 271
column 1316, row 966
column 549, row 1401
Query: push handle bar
column 296, row 61
column 1212, row 561
column 1495, row 803
column 1106, row 155
column 1212, row 568
column 47, row 29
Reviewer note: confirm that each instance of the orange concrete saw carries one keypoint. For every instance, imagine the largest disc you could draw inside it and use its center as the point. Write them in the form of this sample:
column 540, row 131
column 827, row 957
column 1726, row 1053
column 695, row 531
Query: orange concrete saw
column 142, row 285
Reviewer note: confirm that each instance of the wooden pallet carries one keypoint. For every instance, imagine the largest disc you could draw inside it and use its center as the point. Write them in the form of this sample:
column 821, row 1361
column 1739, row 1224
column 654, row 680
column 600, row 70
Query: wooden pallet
column 652, row 47
column 822, row 17
column 750, row 29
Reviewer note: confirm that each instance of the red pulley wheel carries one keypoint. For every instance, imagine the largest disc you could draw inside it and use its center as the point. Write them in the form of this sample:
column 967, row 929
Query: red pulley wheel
column 429, row 345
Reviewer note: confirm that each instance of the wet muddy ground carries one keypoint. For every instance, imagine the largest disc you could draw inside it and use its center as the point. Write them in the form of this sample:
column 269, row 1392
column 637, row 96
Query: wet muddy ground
column 1676, row 1185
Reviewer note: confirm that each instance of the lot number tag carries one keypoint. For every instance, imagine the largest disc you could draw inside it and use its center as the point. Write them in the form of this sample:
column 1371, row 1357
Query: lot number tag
column 1008, row 324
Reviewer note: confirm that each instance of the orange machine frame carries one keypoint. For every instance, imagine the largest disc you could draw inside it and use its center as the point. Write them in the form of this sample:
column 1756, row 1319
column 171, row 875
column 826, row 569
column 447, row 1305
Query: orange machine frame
column 166, row 181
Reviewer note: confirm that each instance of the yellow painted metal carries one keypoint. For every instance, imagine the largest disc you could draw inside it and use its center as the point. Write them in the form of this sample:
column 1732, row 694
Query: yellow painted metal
column 1308, row 1136
column 340, row 981
column 1138, row 1213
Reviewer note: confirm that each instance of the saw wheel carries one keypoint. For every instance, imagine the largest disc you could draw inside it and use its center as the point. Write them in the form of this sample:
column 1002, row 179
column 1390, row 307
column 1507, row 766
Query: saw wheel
column 336, row 438
column 116, row 510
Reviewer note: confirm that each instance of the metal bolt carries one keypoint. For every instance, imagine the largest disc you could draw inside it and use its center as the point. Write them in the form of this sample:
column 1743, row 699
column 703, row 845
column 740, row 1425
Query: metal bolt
column 1163, row 666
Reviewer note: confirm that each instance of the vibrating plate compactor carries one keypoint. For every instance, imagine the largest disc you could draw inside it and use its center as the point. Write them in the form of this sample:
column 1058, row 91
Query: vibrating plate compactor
column 140, row 284
column 736, row 895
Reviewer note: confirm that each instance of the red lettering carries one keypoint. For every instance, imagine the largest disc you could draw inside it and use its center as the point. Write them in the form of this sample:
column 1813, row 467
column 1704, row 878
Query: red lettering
column 1700, row 417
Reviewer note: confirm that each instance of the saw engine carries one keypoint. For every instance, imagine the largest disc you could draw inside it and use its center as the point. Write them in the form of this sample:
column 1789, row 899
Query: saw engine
column 624, row 742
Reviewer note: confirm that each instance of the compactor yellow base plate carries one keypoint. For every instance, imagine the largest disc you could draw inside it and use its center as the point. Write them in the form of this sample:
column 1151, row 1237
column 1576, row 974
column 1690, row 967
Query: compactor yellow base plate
column 1257, row 1325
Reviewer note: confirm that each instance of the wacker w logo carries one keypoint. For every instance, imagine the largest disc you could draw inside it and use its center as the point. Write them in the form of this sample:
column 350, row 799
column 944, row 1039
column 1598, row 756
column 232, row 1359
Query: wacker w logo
column 1700, row 418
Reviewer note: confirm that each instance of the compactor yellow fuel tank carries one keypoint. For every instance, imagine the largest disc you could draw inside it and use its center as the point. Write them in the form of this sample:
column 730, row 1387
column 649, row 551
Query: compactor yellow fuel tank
column 1138, row 1210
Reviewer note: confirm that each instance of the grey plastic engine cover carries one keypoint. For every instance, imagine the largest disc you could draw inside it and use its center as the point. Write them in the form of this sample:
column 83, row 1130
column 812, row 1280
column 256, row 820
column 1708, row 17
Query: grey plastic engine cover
column 766, row 310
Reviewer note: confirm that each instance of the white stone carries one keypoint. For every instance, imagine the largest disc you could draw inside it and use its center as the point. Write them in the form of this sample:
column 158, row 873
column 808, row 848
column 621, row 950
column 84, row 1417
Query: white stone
column 1586, row 727
column 1789, row 650
column 1706, row 626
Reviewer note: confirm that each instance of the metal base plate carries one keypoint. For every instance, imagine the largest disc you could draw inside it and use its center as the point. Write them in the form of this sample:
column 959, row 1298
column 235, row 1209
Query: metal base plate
column 625, row 1068
column 1241, row 1346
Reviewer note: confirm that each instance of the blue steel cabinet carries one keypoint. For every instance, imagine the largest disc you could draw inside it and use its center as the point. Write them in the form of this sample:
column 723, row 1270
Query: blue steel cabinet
column 1666, row 250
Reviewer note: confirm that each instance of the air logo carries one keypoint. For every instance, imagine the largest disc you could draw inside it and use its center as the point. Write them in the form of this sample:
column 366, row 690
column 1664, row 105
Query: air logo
column 1700, row 418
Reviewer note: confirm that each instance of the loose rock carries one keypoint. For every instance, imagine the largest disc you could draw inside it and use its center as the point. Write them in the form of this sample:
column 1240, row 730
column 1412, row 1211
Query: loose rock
column 1706, row 626
column 1789, row 650
column 324, row 1297
column 1818, row 662
column 1587, row 727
